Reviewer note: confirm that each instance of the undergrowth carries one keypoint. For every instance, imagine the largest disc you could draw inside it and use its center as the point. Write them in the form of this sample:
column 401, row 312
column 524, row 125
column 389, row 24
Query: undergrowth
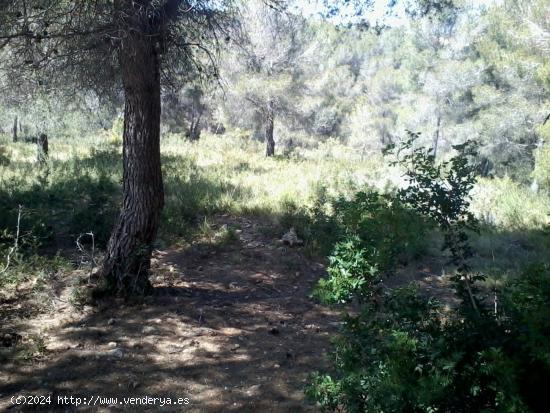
column 406, row 352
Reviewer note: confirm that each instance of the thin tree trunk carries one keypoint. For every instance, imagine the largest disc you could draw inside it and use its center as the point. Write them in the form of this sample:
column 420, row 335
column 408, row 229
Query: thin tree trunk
column 15, row 122
column 195, row 130
column 42, row 146
column 269, row 123
column 128, row 258
column 437, row 135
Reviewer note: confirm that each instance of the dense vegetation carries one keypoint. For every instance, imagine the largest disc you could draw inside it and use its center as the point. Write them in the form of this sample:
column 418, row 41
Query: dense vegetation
column 405, row 351
column 418, row 141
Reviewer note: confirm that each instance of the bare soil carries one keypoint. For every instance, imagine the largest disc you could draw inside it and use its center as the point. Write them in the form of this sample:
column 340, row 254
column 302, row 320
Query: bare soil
column 230, row 327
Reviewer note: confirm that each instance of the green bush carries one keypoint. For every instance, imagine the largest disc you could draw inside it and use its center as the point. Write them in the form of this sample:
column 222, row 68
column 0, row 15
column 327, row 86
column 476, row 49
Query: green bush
column 379, row 232
column 404, row 352
column 384, row 222
column 353, row 272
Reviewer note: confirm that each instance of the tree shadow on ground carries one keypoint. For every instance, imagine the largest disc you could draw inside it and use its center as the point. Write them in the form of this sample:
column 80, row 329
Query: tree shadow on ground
column 66, row 198
column 230, row 328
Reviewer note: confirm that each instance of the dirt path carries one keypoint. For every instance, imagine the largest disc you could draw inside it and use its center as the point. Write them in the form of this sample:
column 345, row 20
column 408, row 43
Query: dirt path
column 230, row 327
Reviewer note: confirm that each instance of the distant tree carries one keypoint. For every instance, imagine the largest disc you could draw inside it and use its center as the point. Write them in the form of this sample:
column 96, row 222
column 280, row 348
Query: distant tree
column 102, row 44
column 187, row 109
column 15, row 127
column 263, row 71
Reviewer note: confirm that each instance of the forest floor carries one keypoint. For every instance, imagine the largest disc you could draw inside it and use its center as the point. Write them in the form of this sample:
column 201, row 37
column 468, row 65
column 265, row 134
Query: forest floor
column 230, row 327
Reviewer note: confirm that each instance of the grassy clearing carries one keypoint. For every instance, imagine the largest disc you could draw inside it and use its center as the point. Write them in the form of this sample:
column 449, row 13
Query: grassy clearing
column 78, row 191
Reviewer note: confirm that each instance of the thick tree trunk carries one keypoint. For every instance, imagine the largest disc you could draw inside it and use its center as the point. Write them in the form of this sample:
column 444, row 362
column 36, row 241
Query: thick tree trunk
column 269, row 140
column 127, row 262
column 15, row 124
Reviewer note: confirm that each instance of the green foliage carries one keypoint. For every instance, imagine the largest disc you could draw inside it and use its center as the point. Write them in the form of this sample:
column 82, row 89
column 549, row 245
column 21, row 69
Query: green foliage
column 527, row 302
column 378, row 232
column 542, row 165
column 404, row 352
column 86, row 187
column 441, row 191
column 353, row 272
column 384, row 222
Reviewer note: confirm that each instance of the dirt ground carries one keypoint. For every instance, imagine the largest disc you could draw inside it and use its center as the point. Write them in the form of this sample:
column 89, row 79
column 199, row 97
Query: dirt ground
column 231, row 328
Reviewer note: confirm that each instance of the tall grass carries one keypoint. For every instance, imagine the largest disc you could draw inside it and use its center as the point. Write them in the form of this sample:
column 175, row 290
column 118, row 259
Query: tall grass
column 78, row 190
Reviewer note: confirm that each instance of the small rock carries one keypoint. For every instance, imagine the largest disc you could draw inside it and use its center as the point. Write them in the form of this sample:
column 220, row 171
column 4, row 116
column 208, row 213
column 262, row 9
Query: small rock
column 117, row 353
column 313, row 327
column 134, row 384
column 111, row 321
column 254, row 390
column 112, row 344
column 276, row 366
column 291, row 238
column 275, row 331
column 235, row 347
column 200, row 268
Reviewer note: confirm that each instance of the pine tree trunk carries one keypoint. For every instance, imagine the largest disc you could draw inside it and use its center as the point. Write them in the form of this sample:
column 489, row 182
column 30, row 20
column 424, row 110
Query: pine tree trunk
column 195, row 130
column 15, row 121
column 42, row 146
column 270, row 142
column 127, row 262
column 437, row 135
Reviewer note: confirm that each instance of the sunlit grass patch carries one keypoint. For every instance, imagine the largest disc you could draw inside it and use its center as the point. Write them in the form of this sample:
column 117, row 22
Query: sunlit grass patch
column 506, row 204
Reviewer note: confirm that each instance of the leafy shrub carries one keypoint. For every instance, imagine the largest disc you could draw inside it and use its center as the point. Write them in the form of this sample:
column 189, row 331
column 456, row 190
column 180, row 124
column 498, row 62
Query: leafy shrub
column 404, row 352
column 442, row 193
column 378, row 233
column 353, row 272
column 384, row 222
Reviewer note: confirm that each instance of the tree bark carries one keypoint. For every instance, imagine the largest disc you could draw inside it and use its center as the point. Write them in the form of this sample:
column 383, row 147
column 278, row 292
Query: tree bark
column 195, row 129
column 15, row 124
column 269, row 122
column 437, row 135
column 128, row 258
column 42, row 144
